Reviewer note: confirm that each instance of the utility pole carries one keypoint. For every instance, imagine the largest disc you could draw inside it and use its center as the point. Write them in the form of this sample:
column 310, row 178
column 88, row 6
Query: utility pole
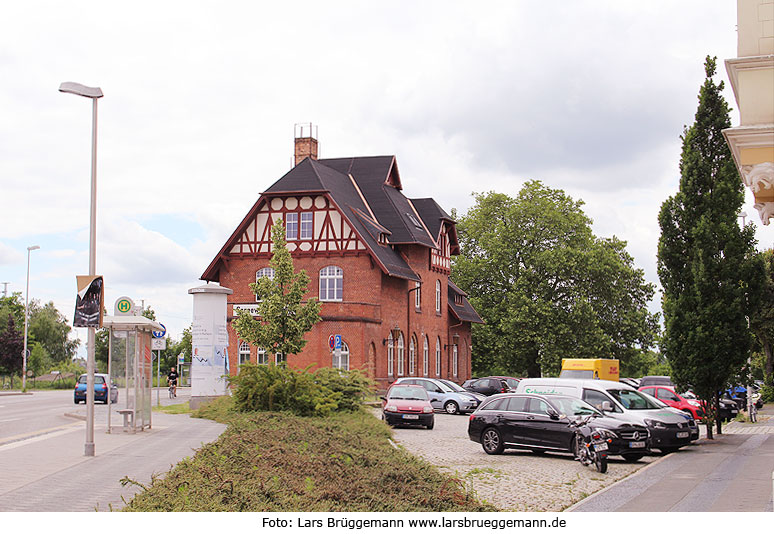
column 5, row 288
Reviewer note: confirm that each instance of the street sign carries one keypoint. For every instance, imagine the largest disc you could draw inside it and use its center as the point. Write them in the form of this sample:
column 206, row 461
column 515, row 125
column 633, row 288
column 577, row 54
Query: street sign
column 158, row 334
column 158, row 343
column 332, row 341
column 124, row 306
column 337, row 342
column 181, row 359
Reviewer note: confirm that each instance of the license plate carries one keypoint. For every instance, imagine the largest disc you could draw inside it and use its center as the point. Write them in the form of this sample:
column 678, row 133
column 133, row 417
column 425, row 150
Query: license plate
column 636, row 444
column 600, row 446
column 410, row 417
column 734, row 411
column 682, row 434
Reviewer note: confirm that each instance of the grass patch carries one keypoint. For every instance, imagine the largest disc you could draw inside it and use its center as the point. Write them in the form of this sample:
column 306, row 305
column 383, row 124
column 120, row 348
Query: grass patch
column 278, row 462
column 181, row 408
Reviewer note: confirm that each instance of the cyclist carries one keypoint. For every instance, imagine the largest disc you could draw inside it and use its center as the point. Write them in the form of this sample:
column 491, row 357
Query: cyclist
column 172, row 381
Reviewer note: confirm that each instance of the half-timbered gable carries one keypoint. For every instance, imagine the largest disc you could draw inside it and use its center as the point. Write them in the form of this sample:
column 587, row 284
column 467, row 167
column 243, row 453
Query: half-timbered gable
column 378, row 261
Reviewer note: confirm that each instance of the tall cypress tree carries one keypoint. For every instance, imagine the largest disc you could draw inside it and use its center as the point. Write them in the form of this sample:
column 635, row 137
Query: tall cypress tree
column 707, row 264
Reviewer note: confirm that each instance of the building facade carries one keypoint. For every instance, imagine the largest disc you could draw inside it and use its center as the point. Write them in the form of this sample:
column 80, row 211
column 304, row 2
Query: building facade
column 378, row 261
column 752, row 79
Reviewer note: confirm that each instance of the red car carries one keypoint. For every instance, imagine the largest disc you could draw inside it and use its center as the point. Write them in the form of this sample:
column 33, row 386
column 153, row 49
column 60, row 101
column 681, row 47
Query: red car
column 669, row 396
column 407, row 405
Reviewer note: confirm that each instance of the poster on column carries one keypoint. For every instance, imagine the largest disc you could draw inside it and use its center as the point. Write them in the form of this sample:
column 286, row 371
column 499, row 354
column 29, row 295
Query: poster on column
column 209, row 365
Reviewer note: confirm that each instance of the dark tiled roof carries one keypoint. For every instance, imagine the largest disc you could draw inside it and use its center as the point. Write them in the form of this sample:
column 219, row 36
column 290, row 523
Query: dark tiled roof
column 312, row 175
column 432, row 214
column 463, row 311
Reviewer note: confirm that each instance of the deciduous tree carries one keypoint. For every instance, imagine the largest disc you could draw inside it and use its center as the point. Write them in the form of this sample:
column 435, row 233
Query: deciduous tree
column 707, row 264
column 546, row 287
column 283, row 318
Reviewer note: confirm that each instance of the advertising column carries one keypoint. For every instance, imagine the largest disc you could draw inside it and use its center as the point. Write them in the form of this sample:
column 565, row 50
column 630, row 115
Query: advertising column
column 209, row 362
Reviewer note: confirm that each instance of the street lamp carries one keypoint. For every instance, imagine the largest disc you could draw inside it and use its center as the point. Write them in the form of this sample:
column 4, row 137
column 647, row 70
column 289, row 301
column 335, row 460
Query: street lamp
column 94, row 93
column 26, row 316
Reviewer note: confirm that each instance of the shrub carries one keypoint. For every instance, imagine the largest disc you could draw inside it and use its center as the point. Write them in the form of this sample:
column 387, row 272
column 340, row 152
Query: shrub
column 302, row 392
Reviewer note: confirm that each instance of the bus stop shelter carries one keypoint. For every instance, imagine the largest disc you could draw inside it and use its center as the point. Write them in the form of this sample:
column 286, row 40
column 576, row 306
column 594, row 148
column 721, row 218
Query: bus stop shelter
column 130, row 368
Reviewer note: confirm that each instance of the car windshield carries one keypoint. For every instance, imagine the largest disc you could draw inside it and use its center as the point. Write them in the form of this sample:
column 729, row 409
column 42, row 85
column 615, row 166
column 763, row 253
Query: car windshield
column 688, row 395
column 634, row 400
column 569, row 406
column 408, row 392
column 453, row 386
column 97, row 379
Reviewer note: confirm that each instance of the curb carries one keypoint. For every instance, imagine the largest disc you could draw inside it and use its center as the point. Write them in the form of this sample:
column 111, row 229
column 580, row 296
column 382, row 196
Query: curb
column 12, row 393
column 75, row 416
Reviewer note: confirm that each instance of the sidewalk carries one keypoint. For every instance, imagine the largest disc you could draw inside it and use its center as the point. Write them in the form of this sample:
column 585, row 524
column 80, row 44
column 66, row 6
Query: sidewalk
column 49, row 473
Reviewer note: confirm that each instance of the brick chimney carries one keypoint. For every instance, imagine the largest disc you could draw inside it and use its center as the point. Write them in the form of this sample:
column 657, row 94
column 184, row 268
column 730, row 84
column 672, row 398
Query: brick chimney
column 305, row 142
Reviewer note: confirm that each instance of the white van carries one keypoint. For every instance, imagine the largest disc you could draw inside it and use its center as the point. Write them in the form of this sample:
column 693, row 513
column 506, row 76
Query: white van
column 670, row 429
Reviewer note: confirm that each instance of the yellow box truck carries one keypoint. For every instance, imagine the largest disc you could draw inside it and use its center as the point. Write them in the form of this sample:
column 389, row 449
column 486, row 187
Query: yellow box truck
column 601, row 368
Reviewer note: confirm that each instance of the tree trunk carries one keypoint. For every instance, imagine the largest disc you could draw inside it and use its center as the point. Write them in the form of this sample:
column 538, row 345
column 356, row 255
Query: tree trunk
column 769, row 362
column 533, row 369
column 718, row 419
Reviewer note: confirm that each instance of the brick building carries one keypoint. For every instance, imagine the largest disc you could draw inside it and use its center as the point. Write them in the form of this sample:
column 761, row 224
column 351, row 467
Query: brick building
column 378, row 261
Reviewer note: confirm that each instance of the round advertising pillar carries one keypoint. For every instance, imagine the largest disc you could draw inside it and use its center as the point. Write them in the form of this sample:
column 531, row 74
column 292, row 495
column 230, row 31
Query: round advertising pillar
column 209, row 362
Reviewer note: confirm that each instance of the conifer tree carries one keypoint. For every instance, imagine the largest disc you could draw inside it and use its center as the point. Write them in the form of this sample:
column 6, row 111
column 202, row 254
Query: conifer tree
column 707, row 264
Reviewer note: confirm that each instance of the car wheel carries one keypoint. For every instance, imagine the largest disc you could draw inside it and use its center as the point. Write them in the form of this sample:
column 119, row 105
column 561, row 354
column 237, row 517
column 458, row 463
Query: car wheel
column 631, row 458
column 491, row 441
column 451, row 408
column 76, row 401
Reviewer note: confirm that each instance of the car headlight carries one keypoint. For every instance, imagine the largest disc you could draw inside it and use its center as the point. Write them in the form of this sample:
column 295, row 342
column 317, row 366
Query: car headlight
column 390, row 408
column 697, row 404
column 427, row 409
column 607, row 434
column 655, row 424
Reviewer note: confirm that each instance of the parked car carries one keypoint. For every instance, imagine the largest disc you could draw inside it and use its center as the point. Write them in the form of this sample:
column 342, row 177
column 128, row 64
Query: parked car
column 407, row 405
column 728, row 407
column 633, row 382
column 669, row 429
column 488, row 385
column 670, row 397
column 541, row 423
column 512, row 382
column 101, row 382
column 656, row 381
column 443, row 396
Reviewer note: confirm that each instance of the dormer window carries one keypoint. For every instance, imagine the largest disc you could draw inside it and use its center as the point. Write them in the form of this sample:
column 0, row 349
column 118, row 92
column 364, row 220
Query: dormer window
column 414, row 221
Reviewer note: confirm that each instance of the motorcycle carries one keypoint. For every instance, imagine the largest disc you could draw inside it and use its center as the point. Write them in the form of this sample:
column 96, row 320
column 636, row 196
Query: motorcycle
column 589, row 445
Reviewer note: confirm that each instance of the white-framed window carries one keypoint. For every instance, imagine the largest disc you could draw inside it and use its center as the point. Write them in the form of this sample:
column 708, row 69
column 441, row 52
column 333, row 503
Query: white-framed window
column 307, row 225
column 454, row 359
column 291, row 226
column 390, row 355
column 437, row 296
column 438, row 356
column 280, row 358
column 331, row 284
column 342, row 362
column 418, row 295
column 261, row 357
column 400, row 354
column 412, row 357
column 425, row 356
column 266, row 272
column 244, row 353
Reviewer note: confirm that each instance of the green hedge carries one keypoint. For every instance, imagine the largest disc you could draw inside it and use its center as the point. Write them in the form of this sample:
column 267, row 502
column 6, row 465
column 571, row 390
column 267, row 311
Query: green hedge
column 302, row 392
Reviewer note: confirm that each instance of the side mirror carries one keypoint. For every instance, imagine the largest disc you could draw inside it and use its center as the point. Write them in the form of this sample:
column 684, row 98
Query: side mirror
column 383, row 398
column 607, row 406
column 553, row 414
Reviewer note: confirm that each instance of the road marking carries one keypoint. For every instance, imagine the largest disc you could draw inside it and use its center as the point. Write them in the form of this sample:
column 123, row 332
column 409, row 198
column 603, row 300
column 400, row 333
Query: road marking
column 9, row 420
column 38, row 435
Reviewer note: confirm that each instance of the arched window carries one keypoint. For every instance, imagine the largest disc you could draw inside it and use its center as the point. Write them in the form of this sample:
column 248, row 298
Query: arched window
column 331, row 283
column 418, row 295
column 390, row 355
column 438, row 356
column 400, row 354
column 412, row 357
column 437, row 296
column 262, row 359
column 342, row 362
column 266, row 272
column 244, row 353
column 454, row 359
column 425, row 357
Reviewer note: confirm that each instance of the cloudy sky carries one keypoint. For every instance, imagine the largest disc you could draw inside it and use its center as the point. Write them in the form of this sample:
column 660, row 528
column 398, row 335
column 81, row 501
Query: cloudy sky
column 201, row 99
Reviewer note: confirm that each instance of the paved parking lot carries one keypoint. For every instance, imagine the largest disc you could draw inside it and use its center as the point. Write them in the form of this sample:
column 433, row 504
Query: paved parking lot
column 515, row 480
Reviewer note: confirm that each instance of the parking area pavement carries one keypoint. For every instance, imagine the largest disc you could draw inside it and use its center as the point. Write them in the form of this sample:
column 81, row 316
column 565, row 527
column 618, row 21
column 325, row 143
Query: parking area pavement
column 516, row 480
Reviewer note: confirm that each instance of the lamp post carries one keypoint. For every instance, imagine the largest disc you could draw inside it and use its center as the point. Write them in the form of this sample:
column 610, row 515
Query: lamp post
column 94, row 93
column 26, row 316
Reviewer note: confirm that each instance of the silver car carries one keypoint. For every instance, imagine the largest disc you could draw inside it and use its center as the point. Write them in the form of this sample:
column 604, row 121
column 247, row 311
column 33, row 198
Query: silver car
column 444, row 395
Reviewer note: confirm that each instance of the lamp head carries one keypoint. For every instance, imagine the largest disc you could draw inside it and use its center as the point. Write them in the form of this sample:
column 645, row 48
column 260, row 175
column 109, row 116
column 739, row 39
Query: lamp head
column 81, row 90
